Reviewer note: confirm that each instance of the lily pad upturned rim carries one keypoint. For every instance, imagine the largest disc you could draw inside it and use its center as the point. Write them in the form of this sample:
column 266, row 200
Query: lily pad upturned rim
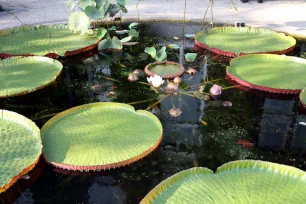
column 234, row 165
column 166, row 62
column 68, row 53
column 200, row 45
column 31, row 166
column 303, row 97
column 96, row 167
column 58, row 63
column 258, row 87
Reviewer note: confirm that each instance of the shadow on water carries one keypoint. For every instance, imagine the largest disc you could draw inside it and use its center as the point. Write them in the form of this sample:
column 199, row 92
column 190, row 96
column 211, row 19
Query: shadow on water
column 206, row 134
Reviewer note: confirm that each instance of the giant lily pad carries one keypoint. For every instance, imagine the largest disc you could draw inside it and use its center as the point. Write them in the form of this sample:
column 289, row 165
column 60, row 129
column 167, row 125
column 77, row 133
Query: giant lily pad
column 165, row 69
column 268, row 72
column 235, row 41
column 20, row 147
column 303, row 97
column 244, row 181
column 22, row 75
column 43, row 40
column 100, row 136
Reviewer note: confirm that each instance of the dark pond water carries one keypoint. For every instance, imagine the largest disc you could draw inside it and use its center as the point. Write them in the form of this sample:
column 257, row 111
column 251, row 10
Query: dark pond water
column 268, row 122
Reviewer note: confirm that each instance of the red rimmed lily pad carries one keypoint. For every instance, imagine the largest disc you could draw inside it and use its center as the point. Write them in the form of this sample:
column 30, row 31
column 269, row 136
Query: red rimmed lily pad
column 100, row 136
column 51, row 41
column 238, row 41
column 165, row 69
column 270, row 73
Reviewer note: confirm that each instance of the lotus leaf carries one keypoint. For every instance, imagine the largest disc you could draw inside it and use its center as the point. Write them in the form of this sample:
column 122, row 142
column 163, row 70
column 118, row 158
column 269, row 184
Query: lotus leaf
column 79, row 21
column 244, row 181
column 100, row 136
column 190, row 57
column 42, row 40
column 166, row 69
column 20, row 147
column 268, row 72
column 21, row 75
column 244, row 40
column 303, row 97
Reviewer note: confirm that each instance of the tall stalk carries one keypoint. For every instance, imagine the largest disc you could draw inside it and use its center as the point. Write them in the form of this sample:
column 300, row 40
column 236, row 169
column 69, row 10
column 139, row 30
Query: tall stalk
column 202, row 24
column 211, row 11
column 137, row 10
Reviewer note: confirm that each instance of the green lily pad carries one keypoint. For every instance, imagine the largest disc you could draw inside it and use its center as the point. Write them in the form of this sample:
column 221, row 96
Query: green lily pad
column 20, row 147
column 165, row 69
column 245, row 40
column 268, row 72
column 190, row 57
column 100, row 136
column 42, row 40
column 244, row 181
column 21, row 75
column 303, row 97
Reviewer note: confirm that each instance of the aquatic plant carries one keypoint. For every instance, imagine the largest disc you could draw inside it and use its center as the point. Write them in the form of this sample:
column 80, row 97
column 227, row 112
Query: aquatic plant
column 266, row 182
column 156, row 81
column 31, row 40
column 165, row 69
column 235, row 41
column 20, row 147
column 22, row 75
column 215, row 90
column 100, row 136
column 274, row 73
column 160, row 56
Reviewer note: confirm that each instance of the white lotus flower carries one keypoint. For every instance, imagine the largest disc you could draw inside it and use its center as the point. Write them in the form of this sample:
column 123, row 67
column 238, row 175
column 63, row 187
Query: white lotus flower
column 155, row 81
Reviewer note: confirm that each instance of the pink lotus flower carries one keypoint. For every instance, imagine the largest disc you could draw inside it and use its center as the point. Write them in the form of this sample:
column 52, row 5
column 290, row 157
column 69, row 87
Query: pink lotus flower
column 171, row 87
column 133, row 77
column 215, row 90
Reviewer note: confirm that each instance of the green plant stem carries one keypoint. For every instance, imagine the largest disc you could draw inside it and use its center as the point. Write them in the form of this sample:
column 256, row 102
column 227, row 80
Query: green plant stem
column 202, row 24
column 144, row 83
column 189, row 87
column 157, row 102
column 183, row 26
column 143, row 101
column 187, row 94
column 45, row 116
column 230, row 87
column 111, row 79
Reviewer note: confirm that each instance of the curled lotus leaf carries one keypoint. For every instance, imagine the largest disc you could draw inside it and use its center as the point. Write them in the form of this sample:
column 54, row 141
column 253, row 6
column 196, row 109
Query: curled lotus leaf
column 22, row 75
column 165, row 69
column 229, row 41
column 269, row 72
column 43, row 40
column 20, row 147
column 244, row 181
column 100, row 136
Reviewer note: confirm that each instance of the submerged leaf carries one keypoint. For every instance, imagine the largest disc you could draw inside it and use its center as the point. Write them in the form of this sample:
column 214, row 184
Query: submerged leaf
column 190, row 57
column 79, row 22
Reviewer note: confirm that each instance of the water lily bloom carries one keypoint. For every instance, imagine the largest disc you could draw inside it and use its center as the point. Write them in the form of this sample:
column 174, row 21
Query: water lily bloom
column 133, row 77
column 171, row 87
column 155, row 81
column 177, row 80
column 215, row 90
column 137, row 71
column 227, row 104
column 175, row 112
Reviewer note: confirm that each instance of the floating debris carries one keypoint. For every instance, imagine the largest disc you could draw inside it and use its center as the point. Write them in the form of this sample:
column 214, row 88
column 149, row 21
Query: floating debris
column 191, row 71
column 175, row 112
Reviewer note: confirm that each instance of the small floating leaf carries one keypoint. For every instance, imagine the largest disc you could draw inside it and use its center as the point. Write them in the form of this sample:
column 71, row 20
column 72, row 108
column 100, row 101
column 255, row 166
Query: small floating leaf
column 126, row 39
column 93, row 13
column 114, row 43
column 79, row 22
column 133, row 25
column 173, row 46
column 190, row 57
column 70, row 5
column 189, row 35
column 130, row 43
column 121, row 32
column 151, row 51
column 176, row 38
column 134, row 33
column 101, row 32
